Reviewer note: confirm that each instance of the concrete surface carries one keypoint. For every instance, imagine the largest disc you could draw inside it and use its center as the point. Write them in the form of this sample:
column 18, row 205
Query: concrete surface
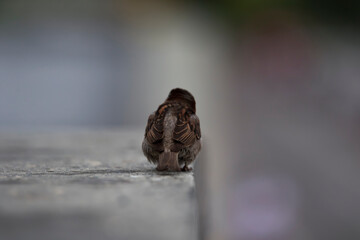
column 90, row 185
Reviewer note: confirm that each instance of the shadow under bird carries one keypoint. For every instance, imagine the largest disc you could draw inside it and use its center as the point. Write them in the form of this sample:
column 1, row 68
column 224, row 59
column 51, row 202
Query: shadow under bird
column 172, row 135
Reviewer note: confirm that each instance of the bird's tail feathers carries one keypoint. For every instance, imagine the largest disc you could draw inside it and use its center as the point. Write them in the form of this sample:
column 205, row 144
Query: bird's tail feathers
column 168, row 161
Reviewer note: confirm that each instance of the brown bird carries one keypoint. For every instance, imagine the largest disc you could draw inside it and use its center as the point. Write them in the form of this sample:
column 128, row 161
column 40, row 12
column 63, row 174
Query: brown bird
column 172, row 135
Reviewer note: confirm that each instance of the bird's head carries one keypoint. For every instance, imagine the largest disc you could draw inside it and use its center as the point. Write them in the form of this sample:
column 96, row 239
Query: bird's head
column 184, row 96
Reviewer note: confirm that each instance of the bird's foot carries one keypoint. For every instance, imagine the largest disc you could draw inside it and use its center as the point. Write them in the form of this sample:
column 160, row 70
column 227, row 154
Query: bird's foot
column 186, row 169
column 161, row 168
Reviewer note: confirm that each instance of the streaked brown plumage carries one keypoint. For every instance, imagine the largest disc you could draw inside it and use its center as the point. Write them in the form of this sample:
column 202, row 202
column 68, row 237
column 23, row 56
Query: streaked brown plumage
column 173, row 135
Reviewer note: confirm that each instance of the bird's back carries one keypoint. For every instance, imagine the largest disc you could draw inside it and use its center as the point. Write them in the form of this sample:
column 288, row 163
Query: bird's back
column 172, row 127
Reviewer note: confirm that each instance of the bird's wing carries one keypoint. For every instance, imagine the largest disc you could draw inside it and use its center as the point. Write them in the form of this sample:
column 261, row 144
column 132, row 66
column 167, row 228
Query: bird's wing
column 154, row 128
column 187, row 130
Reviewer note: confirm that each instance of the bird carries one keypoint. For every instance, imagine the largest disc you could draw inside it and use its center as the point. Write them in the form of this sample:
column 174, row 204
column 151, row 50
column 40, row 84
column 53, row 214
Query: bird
column 172, row 134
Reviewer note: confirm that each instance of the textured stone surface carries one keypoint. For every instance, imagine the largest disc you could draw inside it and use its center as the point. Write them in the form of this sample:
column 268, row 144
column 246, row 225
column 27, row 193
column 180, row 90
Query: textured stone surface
column 90, row 185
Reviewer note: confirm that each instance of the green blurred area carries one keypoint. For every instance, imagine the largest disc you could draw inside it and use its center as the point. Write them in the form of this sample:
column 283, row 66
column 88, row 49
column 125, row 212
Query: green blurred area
column 340, row 12
column 232, row 11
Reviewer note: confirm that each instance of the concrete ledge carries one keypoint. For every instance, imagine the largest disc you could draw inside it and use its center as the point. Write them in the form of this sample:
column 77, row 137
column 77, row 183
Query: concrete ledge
column 90, row 185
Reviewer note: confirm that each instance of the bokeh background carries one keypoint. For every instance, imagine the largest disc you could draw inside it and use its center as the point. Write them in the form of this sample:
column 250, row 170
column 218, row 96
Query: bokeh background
column 276, row 82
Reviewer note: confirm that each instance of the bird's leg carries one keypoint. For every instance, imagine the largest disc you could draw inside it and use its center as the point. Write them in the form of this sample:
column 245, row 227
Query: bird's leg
column 186, row 168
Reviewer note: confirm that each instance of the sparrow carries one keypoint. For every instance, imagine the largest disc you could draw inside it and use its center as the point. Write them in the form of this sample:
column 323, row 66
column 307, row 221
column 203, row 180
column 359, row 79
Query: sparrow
column 172, row 134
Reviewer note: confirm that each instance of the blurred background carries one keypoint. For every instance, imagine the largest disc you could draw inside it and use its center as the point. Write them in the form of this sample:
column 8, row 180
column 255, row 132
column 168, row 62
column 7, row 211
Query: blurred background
column 99, row 63
column 276, row 82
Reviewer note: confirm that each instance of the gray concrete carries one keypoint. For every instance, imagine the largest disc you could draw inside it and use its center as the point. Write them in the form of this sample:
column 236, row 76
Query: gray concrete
column 90, row 185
